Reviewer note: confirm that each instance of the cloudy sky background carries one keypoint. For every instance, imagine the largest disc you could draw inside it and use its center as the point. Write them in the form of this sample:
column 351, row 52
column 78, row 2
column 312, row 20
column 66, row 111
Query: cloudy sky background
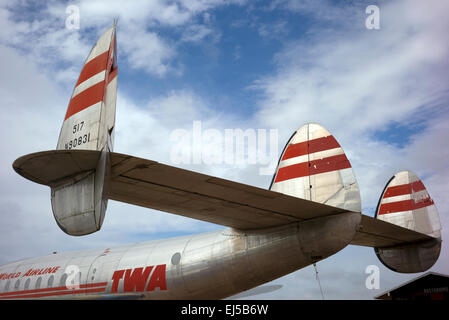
column 231, row 64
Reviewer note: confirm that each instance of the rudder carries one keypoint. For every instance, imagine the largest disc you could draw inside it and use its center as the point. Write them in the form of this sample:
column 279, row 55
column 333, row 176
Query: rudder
column 79, row 206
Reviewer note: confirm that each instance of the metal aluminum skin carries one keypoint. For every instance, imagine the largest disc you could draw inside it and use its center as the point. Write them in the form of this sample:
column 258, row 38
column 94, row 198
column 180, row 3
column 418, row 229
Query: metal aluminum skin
column 214, row 265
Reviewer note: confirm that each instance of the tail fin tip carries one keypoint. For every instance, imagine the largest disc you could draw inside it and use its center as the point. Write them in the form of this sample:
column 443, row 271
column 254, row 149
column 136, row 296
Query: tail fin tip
column 313, row 166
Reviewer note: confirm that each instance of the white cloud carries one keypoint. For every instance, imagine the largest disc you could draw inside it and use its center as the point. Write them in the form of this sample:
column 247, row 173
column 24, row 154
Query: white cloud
column 351, row 82
column 146, row 50
column 47, row 41
column 196, row 33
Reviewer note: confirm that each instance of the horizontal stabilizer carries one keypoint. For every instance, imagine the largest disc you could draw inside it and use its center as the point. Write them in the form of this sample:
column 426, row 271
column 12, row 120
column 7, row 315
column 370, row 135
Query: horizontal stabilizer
column 53, row 168
column 157, row 186
column 380, row 234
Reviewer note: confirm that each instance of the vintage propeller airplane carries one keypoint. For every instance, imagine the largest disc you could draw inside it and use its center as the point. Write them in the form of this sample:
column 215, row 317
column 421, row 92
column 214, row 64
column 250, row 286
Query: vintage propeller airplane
column 311, row 211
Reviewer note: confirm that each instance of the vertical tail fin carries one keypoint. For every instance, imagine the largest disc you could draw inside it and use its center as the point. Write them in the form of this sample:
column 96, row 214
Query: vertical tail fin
column 406, row 202
column 313, row 166
column 79, row 207
column 90, row 116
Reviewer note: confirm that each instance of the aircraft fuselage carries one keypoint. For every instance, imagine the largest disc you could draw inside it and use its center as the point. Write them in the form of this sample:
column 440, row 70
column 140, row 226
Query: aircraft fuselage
column 212, row 265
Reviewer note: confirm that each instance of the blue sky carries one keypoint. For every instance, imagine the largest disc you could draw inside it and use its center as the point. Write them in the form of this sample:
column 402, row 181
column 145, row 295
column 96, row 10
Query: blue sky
column 273, row 64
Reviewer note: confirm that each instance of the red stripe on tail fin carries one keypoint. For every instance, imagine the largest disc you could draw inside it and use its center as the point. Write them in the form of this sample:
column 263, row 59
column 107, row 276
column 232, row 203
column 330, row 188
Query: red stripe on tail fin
column 85, row 99
column 311, row 146
column 404, row 189
column 303, row 169
column 93, row 67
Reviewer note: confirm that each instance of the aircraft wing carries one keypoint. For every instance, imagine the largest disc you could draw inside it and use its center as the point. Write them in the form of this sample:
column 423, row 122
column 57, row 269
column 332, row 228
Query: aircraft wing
column 380, row 234
column 158, row 186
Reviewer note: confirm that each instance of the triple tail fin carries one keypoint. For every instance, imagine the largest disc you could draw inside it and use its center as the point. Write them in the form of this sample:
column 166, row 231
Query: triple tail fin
column 79, row 205
column 313, row 166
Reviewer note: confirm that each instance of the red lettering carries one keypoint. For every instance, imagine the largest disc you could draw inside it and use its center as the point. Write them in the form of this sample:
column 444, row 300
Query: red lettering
column 54, row 269
column 115, row 280
column 17, row 275
column 136, row 280
column 157, row 279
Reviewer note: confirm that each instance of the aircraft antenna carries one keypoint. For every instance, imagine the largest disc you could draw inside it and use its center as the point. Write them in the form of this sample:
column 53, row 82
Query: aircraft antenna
column 318, row 279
